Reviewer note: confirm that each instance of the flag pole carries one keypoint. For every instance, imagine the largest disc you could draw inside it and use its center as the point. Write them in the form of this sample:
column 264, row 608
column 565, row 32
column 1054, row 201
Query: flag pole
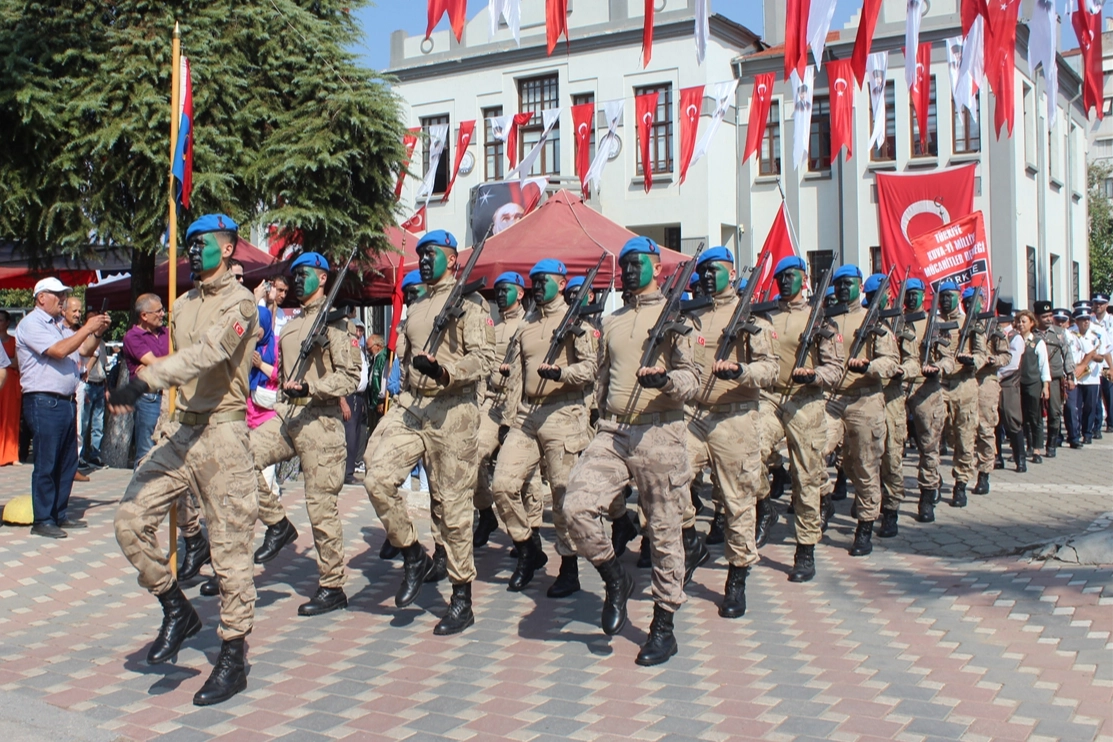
column 788, row 218
column 172, row 235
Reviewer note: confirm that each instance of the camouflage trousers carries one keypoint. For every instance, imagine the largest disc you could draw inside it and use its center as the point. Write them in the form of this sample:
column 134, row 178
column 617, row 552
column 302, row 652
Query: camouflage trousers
column 961, row 398
column 215, row 462
column 189, row 515
column 443, row 433
column 856, row 422
column 802, row 418
column 656, row 458
column 928, row 410
column 314, row 433
column 985, row 447
column 892, row 461
column 532, row 494
column 771, row 434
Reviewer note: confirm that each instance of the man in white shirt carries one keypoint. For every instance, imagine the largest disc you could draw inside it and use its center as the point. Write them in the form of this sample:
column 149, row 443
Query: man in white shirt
column 1104, row 319
column 1087, row 372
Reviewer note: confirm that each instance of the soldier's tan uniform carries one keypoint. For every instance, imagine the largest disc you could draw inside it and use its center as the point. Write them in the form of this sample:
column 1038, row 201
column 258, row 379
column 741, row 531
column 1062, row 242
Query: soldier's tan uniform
column 724, row 428
column 641, row 436
column 989, row 398
column 960, row 394
column 437, row 423
column 925, row 403
column 772, row 435
column 800, row 410
column 896, row 423
column 202, row 447
column 551, row 422
column 856, row 412
column 312, row 429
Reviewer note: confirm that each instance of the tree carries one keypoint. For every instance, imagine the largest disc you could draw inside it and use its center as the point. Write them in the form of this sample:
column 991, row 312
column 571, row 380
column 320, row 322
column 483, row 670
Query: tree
column 289, row 130
column 1101, row 228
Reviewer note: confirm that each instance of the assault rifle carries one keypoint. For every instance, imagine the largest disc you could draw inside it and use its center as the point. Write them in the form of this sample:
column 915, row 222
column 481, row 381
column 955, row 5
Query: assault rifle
column 669, row 319
column 896, row 313
column 814, row 326
column 870, row 325
column 317, row 336
column 453, row 308
column 570, row 323
column 968, row 323
column 930, row 339
column 990, row 315
column 740, row 320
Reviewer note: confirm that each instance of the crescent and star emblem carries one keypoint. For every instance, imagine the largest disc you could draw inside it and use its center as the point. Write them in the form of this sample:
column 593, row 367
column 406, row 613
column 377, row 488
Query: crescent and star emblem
column 840, row 86
column 925, row 206
column 582, row 129
column 692, row 111
column 647, row 118
column 761, row 90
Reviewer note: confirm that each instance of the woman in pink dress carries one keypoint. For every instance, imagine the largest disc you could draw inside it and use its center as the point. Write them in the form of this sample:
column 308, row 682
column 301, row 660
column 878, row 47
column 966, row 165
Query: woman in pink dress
column 10, row 398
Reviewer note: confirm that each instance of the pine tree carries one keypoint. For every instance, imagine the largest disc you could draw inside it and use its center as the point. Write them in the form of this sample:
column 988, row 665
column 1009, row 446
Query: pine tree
column 289, row 130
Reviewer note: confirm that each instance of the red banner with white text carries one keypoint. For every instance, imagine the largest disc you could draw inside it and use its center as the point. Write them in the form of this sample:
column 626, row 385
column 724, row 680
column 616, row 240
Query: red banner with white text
column 957, row 251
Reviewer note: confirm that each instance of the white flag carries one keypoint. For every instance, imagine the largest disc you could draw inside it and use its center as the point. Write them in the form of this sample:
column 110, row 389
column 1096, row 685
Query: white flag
column 802, row 114
column 511, row 10
column 877, row 65
column 819, row 23
column 438, row 134
column 613, row 111
column 912, row 40
column 972, row 69
column 1041, row 50
column 549, row 117
column 500, row 126
column 724, row 95
column 703, row 28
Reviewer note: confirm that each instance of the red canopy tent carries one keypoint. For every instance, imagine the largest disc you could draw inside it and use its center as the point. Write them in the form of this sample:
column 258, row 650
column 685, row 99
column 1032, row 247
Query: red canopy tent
column 380, row 275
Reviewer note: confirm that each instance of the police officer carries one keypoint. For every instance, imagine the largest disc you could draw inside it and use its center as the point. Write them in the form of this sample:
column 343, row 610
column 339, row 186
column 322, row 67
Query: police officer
column 1103, row 318
column 1062, row 371
column 960, row 389
column 989, row 396
column 309, row 425
column 203, row 446
column 641, row 435
column 725, row 423
column 435, row 420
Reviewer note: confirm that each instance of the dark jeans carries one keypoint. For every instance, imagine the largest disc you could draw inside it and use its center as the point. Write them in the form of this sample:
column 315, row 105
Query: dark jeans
column 147, row 408
column 1089, row 408
column 93, row 421
column 1107, row 401
column 1073, row 412
column 1032, row 407
column 352, row 430
column 1055, row 413
column 53, row 424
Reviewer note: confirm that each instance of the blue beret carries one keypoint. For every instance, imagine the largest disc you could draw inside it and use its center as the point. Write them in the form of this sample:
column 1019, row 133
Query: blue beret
column 721, row 254
column 312, row 259
column 211, row 223
column 847, row 271
column 873, row 283
column 574, row 282
column 969, row 293
column 642, row 245
column 549, row 265
column 1099, row 299
column 413, row 278
column 790, row 262
column 830, row 291
column 511, row 277
column 437, row 237
column 914, row 284
column 694, row 279
column 948, row 286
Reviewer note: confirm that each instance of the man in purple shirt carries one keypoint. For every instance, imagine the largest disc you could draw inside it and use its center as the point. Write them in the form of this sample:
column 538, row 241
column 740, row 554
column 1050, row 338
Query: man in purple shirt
column 145, row 342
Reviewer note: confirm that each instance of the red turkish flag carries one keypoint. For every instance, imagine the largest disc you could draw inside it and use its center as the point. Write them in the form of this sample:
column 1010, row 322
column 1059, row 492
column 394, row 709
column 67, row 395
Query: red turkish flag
column 796, row 36
column 1087, row 27
column 691, row 101
column 778, row 243
column 416, row 223
column 520, row 119
column 556, row 22
column 1000, row 65
column 840, row 81
column 463, row 140
column 864, row 40
column 920, row 92
column 647, row 33
column 971, row 9
column 759, row 112
column 646, row 109
column 409, row 141
column 583, row 121
column 457, row 14
column 396, row 300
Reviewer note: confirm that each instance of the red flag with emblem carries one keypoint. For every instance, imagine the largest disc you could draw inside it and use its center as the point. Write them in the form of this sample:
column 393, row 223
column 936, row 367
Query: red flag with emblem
column 417, row 222
column 463, row 140
column 921, row 92
column 1000, row 64
column 520, row 119
column 583, row 121
column 556, row 22
column 409, row 141
column 759, row 112
column 971, row 9
column 796, row 36
column 778, row 243
column 646, row 109
column 840, row 78
column 647, row 33
column 691, row 101
column 864, row 40
column 457, row 14
column 1087, row 27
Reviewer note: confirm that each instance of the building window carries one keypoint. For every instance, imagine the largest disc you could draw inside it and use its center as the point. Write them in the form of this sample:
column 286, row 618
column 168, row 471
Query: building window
column 660, row 134
column 1075, row 282
column 819, row 143
column 1031, row 251
column 818, row 262
column 771, row 144
column 1053, row 276
column 1029, row 126
column 967, row 131
column 1107, row 107
column 887, row 152
column 1107, row 188
column 672, row 238
column 493, row 149
column 1054, row 157
column 535, row 95
column 579, row 100
column 932, row 127
column 1102, row 149
column 875, row 259
column 440, row 180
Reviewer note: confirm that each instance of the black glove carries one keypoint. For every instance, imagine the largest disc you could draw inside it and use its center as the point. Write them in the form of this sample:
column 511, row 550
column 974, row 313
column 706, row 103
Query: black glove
column 301, row 390
column 505, row 373
column 804, row 376
column 503, row 431
column 966, row 360
column 552, row 374
column 430, row 368
column 728, row 375
column 931, row 374
column 861, row 370
column 593, row 417
column 127, row 396
column 654, row 381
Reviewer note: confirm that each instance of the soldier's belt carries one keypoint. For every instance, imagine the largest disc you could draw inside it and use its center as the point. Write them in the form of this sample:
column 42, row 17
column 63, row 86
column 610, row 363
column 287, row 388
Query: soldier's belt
column 306, row 401
column 859, row 391
column 207, row 418
column 797, row 389
column 461, row 392
column 646, row 418
column 563, row 397
column 727, row 408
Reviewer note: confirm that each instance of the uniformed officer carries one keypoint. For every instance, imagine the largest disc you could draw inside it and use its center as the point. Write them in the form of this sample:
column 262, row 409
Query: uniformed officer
column 798, row 399
column 960, row 389
column 641, row 435
column 724, row 425
column 1104, row 318
column 309, row 425
column 989, row 397
column 202, row 447
column 1062, row 371
column 435, row 420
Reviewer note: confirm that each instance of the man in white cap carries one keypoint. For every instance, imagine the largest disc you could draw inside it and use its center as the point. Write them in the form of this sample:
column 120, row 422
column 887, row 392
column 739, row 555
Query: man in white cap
column 49, row 356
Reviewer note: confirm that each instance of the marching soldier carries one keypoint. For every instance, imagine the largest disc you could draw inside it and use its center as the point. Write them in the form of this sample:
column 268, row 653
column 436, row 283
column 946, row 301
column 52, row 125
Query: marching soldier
column 960, row 390
column 641, row 435
column 989, row 398
column 309, row 425
column 202, row 447
column 435, row 420
column 1062, row 371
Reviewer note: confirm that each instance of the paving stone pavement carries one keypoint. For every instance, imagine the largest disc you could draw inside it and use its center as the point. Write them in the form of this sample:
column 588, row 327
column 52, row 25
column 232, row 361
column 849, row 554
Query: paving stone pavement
column 945, row 632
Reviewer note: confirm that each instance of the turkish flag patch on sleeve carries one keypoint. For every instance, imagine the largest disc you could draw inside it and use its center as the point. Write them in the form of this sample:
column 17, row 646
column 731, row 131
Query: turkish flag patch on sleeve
column 596, row 333
column 490, row 322
column 700, row 339
column 838, row 337
column 355, row 342
column 238, row 328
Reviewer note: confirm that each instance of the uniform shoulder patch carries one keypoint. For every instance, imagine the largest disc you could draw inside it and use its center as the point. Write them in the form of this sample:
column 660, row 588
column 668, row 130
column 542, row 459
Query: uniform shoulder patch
column 774, row 334
column 355, row 342
column 596, row 333
column 701, row 340
column 248, row 308
column 838, row 338
column 490, row 322
column 238, row 328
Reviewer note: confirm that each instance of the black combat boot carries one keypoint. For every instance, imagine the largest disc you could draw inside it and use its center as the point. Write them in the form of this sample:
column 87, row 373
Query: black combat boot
column 179, row 622
column 388, row 550
column 540, row 560
column 999, row 434
column 826, row 512
column 527, row 563
column 1050, row 454
column 863, row 535
column 228, row 677
column 1019, row 456
column 839, row 493
column 781, row 479
column 645, row 559
column 695, row 553
column 440, row 564
column 697, row 503
column 415, row 569
column 275, row 537
column 889, row 527
column 661, row 644
column 197, row 555
column 210, row 587
column 958, row 495
column 459, row 615
column 717, row 534
column 485, row 526
column 622, row 533
column 766, row 519
column 619, row 587
column 982, row 487
column 803, row 564
column 734, row 594
column 926, row 513
column 568, row 579
column 324, row 600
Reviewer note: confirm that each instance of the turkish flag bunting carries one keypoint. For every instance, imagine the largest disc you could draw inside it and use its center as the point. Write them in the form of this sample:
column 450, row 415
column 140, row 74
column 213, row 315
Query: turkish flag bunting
column 646, row 109
column 759, row 112
column 1087, row 27
column 409, row 141
column 520, row 119
column 691, row 101
column 583, row 121
column 921, row 92
column 971, row 9
column 457, row 14
column 416, row 223
column 1000, row 66
column 647, row 33
column 864, row 40
column 556, row 22
column 778, row 244
column 396, row 299
column 796, row 36
column 840, row 81
column 463, row 140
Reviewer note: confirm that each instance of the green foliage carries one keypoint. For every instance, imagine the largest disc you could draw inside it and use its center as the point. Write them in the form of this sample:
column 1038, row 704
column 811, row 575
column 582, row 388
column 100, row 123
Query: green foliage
column 1101, row 229
column 289, row 130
